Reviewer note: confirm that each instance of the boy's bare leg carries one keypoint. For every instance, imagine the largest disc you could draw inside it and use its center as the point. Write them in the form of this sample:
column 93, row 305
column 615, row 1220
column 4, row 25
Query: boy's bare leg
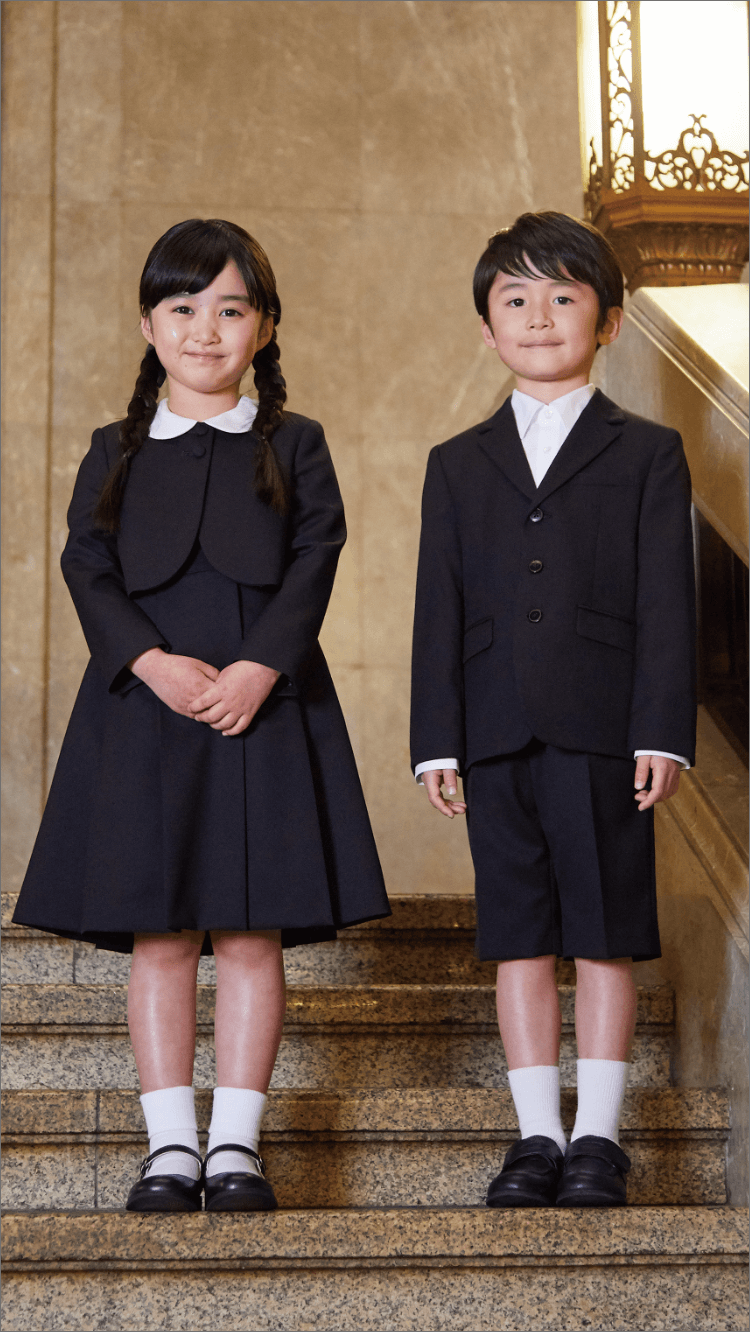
column 606, row 1001
column 528, row 1011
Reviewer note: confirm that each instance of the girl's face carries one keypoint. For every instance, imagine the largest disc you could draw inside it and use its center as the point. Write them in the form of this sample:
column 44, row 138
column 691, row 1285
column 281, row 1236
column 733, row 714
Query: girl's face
column 206, row 342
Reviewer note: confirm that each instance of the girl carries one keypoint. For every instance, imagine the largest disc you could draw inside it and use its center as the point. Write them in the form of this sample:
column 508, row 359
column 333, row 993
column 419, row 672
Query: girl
column 206, row 798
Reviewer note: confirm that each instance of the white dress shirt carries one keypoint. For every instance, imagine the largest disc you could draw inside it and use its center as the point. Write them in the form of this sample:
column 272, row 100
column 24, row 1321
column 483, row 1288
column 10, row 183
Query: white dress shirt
column 544, row 428
column 167, row 425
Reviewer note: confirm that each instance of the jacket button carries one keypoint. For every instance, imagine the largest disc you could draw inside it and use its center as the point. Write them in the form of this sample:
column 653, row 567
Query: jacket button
column 197, row 450
column 537, row 515
column 535, row 616
column 200, row 428
column 536, row 566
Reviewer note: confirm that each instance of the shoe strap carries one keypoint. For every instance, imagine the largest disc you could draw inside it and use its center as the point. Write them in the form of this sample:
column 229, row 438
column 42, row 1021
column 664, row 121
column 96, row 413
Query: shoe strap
column 234, row 1147
column 537, row 1145
column 160, row 1151
column 603, row 1149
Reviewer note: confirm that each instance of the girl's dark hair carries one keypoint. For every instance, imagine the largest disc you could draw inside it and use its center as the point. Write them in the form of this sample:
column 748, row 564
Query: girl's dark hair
column 552, row 242
column 187, row 258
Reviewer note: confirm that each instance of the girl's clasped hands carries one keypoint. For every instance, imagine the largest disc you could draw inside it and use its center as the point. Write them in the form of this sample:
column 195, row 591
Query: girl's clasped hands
column 226, row 700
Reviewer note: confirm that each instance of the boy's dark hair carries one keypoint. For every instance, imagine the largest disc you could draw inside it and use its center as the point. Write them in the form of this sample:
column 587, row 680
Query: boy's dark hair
column 552, row 242
column 187, row 258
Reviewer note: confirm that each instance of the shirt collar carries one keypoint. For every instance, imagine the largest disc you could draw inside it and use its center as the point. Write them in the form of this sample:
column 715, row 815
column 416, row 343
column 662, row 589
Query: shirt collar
column 568, row 408
column 237, row 421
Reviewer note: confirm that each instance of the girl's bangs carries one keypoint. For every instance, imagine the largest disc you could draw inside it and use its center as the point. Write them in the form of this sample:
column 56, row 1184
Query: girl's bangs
column 190, row 262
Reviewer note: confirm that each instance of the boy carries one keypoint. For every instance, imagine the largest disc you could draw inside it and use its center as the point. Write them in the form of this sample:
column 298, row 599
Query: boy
column 554, row 667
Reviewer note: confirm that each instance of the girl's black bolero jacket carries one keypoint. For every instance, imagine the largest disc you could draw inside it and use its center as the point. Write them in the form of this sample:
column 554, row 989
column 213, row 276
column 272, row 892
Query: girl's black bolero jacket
column 199, row 486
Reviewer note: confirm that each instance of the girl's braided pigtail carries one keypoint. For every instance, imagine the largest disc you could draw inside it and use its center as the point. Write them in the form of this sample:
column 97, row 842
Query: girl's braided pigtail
column 133, row 433
column 270, row 485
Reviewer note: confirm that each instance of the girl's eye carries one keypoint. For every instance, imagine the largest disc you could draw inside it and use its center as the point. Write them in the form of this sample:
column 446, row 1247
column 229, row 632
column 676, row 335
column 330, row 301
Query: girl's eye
column 182, row 309
column 232, row 312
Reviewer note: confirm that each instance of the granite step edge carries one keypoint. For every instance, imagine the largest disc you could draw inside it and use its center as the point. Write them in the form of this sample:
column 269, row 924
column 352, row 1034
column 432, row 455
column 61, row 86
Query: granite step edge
column 444, row 1236
column 460, row 1112
column 62, row 1006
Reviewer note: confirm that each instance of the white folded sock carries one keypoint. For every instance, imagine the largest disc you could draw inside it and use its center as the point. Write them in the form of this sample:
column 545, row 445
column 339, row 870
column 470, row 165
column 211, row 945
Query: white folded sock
column 601, row 1089
column 536, row 1096
column 170, row 1117
column 236, row 1117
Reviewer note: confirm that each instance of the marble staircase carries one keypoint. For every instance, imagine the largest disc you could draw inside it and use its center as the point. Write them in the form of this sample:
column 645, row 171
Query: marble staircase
column 388, row 1115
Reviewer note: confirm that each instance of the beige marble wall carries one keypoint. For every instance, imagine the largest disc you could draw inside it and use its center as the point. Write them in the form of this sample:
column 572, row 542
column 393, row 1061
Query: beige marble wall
column 372, row 146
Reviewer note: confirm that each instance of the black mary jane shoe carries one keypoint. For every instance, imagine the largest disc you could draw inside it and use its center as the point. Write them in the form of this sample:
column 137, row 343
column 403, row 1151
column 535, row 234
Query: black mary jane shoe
column 594, row 1174
column 530, row 1174
column 166, row 1193
column 237, row 1190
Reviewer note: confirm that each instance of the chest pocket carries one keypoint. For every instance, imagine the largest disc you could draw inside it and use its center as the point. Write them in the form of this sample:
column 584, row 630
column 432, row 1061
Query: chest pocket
column 477, row 637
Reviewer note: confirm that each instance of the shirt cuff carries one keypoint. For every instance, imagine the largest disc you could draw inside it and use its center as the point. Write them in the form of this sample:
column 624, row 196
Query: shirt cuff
column 433, row 765
column 662, row 753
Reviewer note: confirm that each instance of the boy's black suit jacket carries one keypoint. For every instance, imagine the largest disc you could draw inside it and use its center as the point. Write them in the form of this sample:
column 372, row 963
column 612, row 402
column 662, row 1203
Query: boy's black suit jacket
column 564, row 612
column 200, row 486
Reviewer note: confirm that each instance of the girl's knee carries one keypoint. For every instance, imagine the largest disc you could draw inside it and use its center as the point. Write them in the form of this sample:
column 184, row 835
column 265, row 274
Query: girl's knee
column 168, row 950
column 250, row 948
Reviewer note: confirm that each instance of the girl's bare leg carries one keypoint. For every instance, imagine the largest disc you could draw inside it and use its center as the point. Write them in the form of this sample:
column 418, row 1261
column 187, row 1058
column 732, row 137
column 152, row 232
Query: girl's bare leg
column 528, row 1011
column 161, row 1007
column 250, row 1006
column 606, row 1001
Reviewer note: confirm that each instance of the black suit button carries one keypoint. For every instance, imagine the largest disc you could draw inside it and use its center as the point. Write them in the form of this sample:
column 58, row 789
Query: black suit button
column 197, row 450
column 536, row 566
column 535, row 616
column 537, row 515
column 200, row 429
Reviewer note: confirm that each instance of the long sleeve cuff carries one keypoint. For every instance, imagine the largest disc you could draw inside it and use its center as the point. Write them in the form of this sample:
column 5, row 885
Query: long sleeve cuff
column 433, row 765
column 662, row 753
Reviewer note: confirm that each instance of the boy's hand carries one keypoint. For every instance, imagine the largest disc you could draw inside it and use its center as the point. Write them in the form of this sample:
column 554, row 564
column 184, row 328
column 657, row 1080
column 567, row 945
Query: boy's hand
column 230, row 704
column 433, row 781
column 176, row 680
column 665, row 778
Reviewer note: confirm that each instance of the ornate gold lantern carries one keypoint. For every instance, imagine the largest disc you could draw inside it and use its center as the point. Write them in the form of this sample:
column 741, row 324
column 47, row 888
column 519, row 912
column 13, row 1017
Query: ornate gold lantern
column 664, row 131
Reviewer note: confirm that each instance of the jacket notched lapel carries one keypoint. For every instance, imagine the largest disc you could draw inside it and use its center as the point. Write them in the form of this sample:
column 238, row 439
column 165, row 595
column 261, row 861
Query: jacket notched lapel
column 500, row 440
column 599, row 424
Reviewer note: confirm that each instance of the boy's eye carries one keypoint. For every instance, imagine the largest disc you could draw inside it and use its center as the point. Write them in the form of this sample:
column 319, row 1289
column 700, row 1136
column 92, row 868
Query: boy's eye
column 563, row 300
column 516, row 302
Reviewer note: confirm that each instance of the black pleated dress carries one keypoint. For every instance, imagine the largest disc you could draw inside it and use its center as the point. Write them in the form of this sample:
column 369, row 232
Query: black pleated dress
column 156, row 823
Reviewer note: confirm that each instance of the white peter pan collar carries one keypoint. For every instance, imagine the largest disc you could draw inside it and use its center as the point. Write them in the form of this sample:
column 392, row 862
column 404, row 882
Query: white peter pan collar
column 237, row 421
column 568, row 408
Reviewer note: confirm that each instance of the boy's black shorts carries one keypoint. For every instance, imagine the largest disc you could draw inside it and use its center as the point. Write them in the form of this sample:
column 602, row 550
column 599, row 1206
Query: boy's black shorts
column 564, row 859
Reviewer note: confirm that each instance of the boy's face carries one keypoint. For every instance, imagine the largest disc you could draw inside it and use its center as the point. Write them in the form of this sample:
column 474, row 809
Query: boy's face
column 545, row 331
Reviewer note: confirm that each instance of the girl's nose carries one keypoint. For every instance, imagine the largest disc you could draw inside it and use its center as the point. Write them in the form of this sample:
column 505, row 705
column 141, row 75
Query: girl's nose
column 205, row 329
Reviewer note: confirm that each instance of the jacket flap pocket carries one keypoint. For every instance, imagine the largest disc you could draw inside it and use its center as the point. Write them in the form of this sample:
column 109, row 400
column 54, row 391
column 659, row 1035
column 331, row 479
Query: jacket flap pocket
column 610, row 629
column 477, row 637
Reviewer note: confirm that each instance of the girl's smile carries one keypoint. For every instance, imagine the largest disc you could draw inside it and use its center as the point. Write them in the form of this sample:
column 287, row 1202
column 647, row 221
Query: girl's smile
column 206, row 342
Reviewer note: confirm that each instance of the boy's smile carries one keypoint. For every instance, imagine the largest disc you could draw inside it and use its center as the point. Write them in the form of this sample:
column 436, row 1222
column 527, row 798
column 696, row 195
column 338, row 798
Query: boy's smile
column 545, row 331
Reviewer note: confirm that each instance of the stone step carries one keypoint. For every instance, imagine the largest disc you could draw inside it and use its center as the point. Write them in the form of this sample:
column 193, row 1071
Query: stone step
column 385, row 1148
column 75, row 1036
column 441, row 1270
column 427, row 939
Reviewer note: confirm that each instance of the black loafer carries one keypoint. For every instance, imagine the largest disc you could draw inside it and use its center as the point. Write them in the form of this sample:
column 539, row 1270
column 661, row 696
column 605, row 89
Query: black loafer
column 530, row 1174
column 166, row 1193
column 237, row 1190
column 594, row 1174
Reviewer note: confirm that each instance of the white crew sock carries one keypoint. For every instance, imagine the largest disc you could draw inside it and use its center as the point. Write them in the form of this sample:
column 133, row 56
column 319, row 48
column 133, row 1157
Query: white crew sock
column 236, row 1117
column 601, row 1088
column 170, row 1117
column 536, row 1096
